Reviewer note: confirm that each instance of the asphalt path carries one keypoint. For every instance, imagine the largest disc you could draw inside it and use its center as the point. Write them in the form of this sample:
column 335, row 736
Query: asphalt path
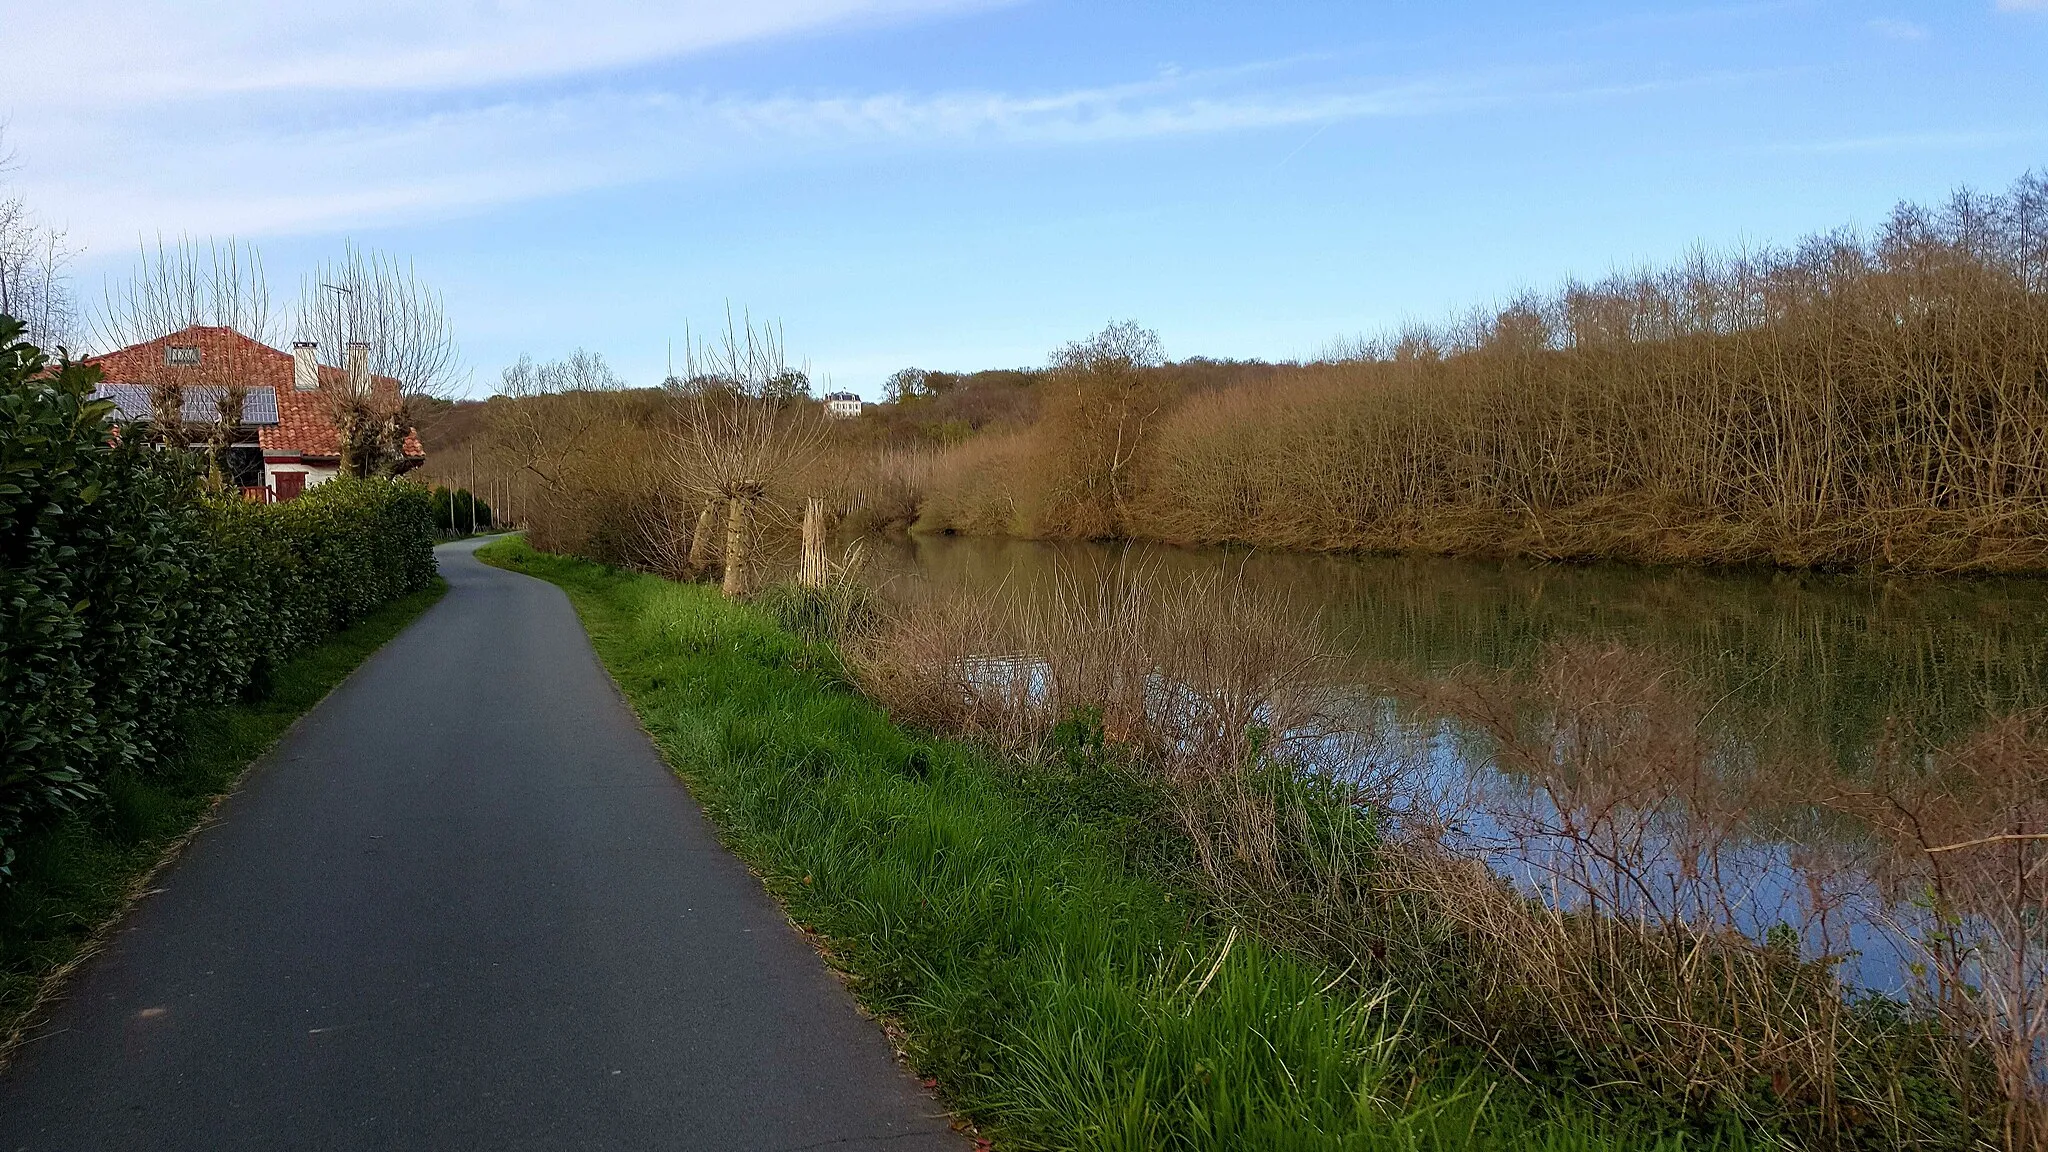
column 462, row 905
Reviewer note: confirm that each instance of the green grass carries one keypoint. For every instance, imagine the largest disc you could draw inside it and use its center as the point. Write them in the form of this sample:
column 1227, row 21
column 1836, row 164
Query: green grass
column 1061, row 993
column 75, row 875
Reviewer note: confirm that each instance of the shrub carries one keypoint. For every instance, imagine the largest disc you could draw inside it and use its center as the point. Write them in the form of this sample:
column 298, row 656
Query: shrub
column 127, row 598
column 842, row 610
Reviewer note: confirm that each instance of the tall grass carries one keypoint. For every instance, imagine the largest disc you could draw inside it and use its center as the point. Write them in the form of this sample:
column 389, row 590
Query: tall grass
column 1852, row 400
column 1628, row 950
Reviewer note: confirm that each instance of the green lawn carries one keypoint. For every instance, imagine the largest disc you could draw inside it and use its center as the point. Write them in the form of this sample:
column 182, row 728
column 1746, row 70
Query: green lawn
column 74, row 877
column 1062, row 993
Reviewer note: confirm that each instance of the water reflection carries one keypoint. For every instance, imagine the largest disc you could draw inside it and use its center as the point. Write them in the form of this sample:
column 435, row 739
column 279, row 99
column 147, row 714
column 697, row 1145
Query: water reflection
column 1654, row 743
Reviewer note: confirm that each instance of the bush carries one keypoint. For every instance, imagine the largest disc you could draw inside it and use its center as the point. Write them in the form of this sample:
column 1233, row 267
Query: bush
column 127, row 598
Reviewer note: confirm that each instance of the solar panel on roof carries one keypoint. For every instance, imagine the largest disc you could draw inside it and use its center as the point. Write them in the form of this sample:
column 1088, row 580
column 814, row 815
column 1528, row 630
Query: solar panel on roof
column 131, row 402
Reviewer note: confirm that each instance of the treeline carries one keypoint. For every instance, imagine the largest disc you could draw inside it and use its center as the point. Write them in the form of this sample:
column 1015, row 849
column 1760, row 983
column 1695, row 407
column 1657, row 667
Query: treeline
column 1851, row 400
column 129, row 599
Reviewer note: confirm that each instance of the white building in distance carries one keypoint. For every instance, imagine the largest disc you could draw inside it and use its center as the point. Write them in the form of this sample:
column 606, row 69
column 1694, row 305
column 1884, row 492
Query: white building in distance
column 842, row 405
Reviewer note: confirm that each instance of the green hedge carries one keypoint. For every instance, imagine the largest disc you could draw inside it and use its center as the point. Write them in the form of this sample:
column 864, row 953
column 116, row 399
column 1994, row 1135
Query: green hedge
column 128, row 598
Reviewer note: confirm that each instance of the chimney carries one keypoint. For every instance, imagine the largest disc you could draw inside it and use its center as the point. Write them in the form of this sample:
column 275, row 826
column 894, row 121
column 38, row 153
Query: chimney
column 305, row 366
column 358, row 367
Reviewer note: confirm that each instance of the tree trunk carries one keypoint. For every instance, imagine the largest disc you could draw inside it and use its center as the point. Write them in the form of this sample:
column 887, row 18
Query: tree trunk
column 736, row 523
column 703, row 548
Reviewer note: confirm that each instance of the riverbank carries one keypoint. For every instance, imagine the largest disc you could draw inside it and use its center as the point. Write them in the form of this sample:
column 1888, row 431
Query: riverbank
column 74, row 877
column 1028, row 940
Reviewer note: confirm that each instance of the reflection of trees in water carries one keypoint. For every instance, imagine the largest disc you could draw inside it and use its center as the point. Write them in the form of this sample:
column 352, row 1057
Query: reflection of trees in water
column 1796, row 659
column 1846, row 769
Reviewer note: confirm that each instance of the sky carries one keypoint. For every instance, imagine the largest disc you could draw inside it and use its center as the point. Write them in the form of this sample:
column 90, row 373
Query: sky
column 963, row 184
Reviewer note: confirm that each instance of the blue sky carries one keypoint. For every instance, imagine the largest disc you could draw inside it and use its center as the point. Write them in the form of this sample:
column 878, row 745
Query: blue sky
column 968, row 183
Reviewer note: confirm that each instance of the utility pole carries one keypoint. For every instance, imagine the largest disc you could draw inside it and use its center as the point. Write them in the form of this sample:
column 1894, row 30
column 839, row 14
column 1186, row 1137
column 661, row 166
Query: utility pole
column 472, row 495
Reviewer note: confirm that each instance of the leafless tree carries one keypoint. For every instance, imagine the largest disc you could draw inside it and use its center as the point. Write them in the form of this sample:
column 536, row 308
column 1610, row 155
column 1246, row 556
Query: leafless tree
column 746, row 433
column 178, row 287
column 33, row 257
column 580, row 371
column 390, row 336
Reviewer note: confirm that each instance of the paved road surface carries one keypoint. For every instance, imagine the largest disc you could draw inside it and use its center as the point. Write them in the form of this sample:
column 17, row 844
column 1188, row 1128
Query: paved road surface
column 462, row 905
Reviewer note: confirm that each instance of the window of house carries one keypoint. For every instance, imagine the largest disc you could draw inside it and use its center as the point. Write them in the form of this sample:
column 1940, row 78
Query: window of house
column 179, row 354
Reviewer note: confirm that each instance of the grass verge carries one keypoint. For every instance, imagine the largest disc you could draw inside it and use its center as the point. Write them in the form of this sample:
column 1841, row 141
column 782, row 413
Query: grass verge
column 75, row 876
column 1061, row 993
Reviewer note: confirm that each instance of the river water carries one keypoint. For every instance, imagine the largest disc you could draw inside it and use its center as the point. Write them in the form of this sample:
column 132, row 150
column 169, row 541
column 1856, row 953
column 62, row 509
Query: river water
column 1779, row 688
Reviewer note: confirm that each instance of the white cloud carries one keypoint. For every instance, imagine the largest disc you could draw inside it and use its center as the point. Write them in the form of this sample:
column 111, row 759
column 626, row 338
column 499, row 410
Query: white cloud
column 1895, row 29
column 303, row 166
column 263, row 119
column 119, row 50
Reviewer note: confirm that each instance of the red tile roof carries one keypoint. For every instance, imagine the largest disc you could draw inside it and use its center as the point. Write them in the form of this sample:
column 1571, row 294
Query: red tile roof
column 303, row 429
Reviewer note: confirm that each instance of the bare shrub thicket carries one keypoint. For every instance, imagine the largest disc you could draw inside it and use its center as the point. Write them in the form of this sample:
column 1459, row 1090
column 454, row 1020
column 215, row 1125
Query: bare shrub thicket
column 1965, row 846
column 1850, row 400
column 585, row 459
column 985, row 486
column 1609, row 905
column 1202, row 685
column 880, row 489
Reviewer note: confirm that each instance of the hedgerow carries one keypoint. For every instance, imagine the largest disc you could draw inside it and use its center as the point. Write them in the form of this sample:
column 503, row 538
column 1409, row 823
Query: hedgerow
column 129, row 598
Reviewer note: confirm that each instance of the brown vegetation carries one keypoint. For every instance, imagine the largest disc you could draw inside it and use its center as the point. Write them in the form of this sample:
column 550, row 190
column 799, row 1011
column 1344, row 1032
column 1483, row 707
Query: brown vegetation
column 1850, row 401
column 1627, row 949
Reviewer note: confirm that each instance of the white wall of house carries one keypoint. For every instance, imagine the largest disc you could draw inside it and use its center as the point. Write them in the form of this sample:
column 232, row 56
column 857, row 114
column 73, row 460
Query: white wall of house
column 315, row 474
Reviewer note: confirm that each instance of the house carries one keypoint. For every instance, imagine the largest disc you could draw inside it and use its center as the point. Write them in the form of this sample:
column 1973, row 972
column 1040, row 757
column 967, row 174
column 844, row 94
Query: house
column 286, row 441
column 842, row 405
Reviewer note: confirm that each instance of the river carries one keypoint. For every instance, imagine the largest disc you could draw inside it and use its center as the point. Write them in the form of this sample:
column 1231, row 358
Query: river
column 1776, row 691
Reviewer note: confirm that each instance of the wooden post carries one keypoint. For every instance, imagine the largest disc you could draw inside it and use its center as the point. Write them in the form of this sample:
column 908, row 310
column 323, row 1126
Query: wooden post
column 813, row 570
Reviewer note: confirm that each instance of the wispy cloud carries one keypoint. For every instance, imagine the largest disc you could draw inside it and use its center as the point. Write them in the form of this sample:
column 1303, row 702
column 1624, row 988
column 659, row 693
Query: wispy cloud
column 111, row 51
column 1892, row 28
column 303, row 166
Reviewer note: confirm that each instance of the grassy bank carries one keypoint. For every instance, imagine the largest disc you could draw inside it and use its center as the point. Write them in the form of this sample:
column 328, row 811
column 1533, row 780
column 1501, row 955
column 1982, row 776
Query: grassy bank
column 1027, row 937
column 75, row 875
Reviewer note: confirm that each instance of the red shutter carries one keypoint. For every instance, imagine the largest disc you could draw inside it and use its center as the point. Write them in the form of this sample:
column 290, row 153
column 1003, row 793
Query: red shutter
column 290, row 484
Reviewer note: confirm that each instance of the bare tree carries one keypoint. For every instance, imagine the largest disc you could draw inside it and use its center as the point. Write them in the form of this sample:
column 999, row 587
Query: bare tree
column 746, row 432
column 1102, row 404
column 580, row 371
column 33, row 257
column 173, row 290
column 389, row 335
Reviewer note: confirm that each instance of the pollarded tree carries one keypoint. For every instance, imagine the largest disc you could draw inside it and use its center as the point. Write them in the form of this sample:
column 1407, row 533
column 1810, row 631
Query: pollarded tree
column 173, row 289
column 747, row 434
column 389, row 335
